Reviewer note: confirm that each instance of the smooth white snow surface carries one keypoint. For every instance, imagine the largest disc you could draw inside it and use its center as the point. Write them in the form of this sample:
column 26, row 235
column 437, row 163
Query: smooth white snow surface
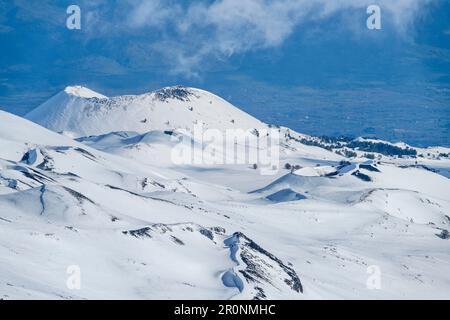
column 112, row 204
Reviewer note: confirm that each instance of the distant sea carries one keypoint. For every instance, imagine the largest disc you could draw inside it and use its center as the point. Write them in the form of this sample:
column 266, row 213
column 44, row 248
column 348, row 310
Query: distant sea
column 413, row 118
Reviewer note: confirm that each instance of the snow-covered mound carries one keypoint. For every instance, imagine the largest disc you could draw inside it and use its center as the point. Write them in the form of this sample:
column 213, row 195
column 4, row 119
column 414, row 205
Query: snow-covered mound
column 83, row 112
column 411, row 206
column 154, row 147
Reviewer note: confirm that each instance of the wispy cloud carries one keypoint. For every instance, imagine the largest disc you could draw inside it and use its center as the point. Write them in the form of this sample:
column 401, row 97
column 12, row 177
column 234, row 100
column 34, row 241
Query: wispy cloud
column 221, row 28
column 154, row 13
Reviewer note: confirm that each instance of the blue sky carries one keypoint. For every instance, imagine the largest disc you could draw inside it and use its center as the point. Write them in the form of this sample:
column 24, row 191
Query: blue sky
column 308, row 64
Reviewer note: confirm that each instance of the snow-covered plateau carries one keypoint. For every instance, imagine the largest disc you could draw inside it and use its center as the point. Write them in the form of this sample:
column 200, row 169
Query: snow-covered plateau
column 92, row 207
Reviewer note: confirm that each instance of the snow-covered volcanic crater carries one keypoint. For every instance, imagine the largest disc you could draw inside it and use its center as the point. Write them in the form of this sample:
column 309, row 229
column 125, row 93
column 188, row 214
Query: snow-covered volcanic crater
column 91, row 207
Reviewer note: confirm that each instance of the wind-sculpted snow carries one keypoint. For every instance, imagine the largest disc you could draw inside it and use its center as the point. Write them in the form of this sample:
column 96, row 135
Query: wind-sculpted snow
column 256, row 257
column 262, row 271
column 285, row 195
column 137, row 225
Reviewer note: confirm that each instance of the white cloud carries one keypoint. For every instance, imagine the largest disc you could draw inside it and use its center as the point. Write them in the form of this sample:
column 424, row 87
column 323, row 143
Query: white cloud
column 202, row 29
column 153, row 13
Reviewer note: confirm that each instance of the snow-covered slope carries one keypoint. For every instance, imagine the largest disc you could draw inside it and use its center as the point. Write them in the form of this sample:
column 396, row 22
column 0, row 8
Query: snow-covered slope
column 83, row 112
column 114, row 206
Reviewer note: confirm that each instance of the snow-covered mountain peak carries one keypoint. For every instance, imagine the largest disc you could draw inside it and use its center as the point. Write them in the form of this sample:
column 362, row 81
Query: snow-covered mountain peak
column 83, row 92
column 178, row 92
column 84, row 112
